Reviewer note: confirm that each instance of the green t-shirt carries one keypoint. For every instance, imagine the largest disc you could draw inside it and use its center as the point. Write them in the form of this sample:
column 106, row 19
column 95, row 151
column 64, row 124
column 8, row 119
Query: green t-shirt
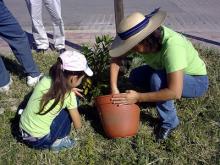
column 177, row 53
column 39, row 125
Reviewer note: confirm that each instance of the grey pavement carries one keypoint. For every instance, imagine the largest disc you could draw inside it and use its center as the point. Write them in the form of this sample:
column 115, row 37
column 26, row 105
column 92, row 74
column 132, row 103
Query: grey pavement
column 85, row 19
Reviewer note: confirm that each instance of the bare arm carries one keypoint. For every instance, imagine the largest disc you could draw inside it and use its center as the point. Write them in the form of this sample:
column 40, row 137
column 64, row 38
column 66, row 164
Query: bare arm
column 173, row 91
column 114, row 70
column 74, row 113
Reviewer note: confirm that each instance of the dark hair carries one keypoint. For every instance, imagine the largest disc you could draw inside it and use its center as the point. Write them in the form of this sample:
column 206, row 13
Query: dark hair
column 154, row 40
column 58, row 87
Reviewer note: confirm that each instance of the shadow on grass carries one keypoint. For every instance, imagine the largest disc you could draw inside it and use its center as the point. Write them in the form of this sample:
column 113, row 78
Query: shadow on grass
column 91, row 114
column 33, row 45
column 201, row 39
column 13, row 67
column 15, row 121
column 149, row 119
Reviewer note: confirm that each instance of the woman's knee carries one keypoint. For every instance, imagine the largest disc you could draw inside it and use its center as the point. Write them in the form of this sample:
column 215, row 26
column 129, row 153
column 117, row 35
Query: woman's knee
column 155, row 82
column 138, row 76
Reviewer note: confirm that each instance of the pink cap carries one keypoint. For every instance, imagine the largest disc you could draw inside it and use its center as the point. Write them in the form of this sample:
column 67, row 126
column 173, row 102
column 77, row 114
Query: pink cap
column 75, row 61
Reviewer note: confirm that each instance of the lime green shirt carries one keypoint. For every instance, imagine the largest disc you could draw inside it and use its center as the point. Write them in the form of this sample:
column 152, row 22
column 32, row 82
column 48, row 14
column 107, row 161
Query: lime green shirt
column 177, row 53
column 39, row 125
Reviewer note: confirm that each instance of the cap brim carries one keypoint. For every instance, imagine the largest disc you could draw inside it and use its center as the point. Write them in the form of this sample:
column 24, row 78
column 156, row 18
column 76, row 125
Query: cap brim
column 119, row 47
column 88, row 71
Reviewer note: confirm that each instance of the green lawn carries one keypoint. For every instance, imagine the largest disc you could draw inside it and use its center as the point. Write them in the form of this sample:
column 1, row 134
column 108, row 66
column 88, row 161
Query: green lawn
column 196, row 141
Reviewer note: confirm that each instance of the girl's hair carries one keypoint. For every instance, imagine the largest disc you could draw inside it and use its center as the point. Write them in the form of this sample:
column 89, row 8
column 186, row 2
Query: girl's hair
column 58, row 87
column 154, row 40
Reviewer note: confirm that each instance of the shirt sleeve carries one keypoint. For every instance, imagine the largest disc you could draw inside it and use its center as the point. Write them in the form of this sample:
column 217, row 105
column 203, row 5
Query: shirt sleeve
column 175, row 58
column 71, row 101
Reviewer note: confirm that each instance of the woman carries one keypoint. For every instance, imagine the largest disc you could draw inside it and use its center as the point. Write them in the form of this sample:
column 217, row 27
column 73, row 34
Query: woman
column 174, row 68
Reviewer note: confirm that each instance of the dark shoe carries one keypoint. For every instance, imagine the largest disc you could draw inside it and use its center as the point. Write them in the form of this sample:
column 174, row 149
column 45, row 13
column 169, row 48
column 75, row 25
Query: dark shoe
column 41, row 51
column 60, row 51
column 163, row 133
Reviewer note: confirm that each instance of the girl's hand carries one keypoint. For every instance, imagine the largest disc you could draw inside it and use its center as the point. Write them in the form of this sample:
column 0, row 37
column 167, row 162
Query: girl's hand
column 77, row 92
column 130, row 97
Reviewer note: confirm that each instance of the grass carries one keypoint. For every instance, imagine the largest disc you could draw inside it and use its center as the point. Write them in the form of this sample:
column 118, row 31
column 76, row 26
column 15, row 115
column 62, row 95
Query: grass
column 196, row 141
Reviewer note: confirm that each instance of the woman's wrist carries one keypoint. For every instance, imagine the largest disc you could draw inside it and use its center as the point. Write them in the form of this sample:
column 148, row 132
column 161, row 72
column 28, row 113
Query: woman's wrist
column 139, row 97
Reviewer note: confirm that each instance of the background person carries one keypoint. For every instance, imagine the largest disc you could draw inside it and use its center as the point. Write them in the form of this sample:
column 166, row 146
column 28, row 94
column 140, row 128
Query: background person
column 38, row 30
column 12, row 33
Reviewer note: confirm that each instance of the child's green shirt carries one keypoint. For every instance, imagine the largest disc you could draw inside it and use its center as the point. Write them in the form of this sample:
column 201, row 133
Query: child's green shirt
column 39, row 125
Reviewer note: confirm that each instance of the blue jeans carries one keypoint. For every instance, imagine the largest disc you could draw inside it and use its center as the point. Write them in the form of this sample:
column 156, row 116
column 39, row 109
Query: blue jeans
column 12, row 33
column 151, row 80
column 59, row 128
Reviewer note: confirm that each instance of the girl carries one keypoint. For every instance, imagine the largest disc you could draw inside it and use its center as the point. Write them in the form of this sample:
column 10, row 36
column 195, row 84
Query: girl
column 46, row 120
column 174, row 68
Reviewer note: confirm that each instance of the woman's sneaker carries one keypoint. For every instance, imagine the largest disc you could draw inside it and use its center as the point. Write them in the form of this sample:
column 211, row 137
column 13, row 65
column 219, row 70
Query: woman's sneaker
column 32, row 81
column 63, row 143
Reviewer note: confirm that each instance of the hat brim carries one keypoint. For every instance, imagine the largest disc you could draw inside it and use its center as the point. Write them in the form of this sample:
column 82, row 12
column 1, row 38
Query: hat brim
column 88, row 71
column 119, row 47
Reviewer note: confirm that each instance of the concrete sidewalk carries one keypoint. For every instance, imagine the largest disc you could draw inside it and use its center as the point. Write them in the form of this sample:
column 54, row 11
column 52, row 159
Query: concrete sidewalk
column 197, row 19
column 75, row 38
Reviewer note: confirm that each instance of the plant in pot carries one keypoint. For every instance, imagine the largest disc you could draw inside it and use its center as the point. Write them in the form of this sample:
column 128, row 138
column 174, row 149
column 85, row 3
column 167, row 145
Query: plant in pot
column 117, row 121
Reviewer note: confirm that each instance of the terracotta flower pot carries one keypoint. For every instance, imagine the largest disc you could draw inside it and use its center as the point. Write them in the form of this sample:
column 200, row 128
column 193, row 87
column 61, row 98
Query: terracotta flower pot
column 118, row 121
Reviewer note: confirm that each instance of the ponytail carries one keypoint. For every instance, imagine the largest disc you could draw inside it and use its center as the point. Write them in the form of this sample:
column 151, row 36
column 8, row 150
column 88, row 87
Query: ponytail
column 57, row 90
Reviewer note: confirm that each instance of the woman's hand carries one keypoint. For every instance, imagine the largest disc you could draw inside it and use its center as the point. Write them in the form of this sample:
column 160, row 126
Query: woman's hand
column 130, row 97
column 77, row 92
column 115, row 90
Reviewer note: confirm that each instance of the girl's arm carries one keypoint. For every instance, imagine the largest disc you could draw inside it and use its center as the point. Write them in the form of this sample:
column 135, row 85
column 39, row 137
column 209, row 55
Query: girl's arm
column 114, row 70
column 173, row 91
column 74, row 113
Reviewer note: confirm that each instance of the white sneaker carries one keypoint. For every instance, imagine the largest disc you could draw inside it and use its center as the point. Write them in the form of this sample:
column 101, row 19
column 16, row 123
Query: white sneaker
column 63, row 143
column 6, row 87
column 32, row 81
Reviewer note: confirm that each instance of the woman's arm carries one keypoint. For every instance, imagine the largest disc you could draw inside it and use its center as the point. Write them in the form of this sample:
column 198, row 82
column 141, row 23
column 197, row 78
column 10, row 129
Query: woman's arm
column 74, row 113
column 114, row 70
column 173, row 91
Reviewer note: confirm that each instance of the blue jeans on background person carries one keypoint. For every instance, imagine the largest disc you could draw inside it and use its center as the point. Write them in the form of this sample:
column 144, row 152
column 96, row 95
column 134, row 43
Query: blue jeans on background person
column 12, row 33
column 151, row 80
column 59, row 129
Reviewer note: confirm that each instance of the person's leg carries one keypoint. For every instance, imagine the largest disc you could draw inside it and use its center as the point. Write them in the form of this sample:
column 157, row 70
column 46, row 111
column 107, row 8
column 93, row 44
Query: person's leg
column 61, row 125
column 38, row 30
column 194, row 86
column 139, row 77
column 12, row 33
column 4, row 75
column 59, row 129
column 54, row 8
column 153, row 80
column 166, row 109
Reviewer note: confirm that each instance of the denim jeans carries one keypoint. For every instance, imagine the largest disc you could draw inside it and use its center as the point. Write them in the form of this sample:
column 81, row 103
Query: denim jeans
column 12, row 33
column 59, row 128
column 151, row 80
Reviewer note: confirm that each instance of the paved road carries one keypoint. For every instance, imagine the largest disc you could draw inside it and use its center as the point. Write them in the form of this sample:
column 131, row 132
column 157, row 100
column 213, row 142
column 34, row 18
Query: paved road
column 199, row 18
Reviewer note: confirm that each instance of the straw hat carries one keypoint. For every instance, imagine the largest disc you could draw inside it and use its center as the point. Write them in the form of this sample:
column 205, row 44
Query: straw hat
column 133, row 29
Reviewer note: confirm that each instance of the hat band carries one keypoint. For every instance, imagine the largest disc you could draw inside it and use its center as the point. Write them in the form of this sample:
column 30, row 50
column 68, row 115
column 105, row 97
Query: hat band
column 137, row 28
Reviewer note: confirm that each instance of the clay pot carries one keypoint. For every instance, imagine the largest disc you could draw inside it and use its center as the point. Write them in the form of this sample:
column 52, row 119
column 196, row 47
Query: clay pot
column 118, row 121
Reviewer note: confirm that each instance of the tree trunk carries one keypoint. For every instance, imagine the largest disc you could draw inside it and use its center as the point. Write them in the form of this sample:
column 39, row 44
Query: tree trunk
column 119, row 12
